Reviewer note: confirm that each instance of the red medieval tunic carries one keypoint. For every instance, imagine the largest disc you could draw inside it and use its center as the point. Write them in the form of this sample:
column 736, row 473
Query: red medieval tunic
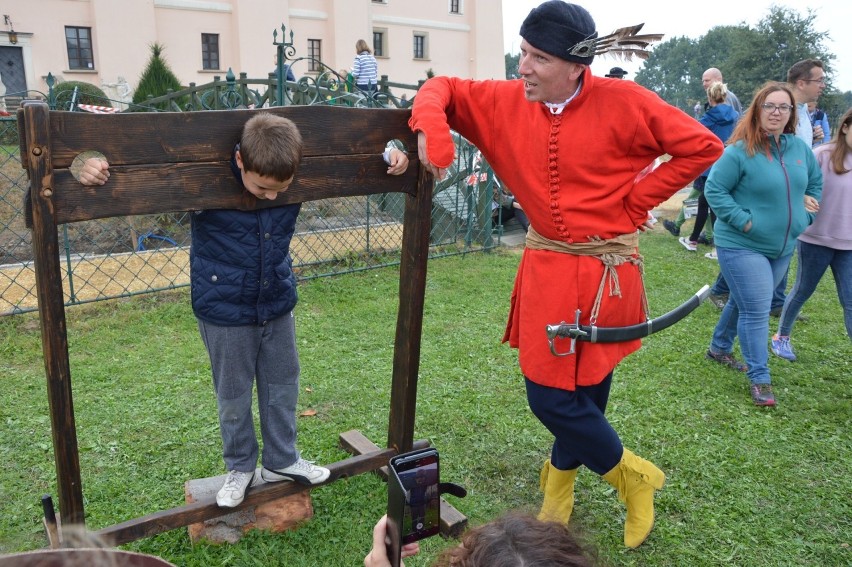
column 574, row 174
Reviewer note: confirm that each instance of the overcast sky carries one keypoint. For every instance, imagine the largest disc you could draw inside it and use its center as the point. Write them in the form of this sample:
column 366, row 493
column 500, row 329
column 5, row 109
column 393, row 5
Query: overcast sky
column 694, row 20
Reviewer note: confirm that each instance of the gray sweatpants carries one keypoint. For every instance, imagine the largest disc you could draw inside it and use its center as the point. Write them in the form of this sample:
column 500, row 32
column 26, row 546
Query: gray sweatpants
column 238, row 357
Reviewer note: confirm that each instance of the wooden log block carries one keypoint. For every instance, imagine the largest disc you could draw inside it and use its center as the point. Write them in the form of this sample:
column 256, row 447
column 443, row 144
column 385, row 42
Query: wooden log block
column 278, row 515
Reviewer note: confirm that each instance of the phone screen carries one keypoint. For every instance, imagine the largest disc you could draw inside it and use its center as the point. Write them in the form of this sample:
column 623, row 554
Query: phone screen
column 418, row 474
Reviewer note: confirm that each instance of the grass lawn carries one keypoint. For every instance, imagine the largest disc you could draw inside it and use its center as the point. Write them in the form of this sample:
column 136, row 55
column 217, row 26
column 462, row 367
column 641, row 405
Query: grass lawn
column 745, row 486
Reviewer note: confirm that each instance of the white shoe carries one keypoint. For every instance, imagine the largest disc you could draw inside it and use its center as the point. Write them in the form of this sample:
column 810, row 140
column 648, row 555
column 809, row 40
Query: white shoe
column 233, row 491
column 711, row 255
column 302, row 471
column 688, row 244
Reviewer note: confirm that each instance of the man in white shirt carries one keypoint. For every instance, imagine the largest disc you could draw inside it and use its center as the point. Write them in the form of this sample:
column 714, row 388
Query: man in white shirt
column 807, row 80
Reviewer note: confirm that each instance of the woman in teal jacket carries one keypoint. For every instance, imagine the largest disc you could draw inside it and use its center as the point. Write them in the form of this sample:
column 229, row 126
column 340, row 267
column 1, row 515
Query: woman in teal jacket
column 764, row 191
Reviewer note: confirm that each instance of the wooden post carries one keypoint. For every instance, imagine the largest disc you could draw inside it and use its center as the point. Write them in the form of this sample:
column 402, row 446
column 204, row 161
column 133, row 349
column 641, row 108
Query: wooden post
column 409, row 326
column 51, row 309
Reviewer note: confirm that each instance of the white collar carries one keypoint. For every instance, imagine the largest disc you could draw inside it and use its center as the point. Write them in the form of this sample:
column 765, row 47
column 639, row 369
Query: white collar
column 558, row 107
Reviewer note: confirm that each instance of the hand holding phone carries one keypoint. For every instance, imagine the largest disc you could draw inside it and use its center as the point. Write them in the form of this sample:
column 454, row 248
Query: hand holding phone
column 414, row 500
column 378, row 556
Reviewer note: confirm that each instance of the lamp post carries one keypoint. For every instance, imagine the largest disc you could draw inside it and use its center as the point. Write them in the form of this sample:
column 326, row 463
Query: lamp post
column 13, row 35
column 283, row 49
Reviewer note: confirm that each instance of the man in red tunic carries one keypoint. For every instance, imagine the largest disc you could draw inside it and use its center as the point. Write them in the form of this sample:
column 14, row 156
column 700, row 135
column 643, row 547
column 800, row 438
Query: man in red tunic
column 570, row 145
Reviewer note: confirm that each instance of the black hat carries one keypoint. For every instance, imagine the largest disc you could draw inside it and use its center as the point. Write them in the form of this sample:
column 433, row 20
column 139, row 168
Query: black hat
column 616, row 73
column 562, row 30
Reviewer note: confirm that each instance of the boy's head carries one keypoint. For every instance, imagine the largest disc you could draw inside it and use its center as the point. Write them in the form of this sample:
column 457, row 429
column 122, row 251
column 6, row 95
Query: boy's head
column 269, row 154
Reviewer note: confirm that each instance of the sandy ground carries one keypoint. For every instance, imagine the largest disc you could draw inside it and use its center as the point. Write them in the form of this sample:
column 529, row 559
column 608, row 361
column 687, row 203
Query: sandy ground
column 127, row 273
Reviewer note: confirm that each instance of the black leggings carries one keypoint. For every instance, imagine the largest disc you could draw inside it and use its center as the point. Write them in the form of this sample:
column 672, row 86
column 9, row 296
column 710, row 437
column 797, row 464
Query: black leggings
column 703, row 210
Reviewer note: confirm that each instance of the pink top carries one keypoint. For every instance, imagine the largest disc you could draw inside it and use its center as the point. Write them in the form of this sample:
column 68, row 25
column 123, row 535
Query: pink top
column 833, row 225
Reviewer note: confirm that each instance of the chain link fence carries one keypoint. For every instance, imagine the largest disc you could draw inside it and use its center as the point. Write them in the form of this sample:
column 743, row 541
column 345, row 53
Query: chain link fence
column 124, row 256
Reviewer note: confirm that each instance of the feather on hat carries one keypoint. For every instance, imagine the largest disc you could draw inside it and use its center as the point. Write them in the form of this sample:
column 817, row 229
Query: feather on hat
column 568, row 31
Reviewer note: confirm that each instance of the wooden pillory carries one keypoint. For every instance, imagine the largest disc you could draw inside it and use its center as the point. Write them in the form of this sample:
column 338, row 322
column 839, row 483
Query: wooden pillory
column 169, row 162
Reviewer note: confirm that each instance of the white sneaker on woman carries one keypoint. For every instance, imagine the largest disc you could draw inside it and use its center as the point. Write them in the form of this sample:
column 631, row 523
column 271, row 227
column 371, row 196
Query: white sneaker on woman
column 690, row 245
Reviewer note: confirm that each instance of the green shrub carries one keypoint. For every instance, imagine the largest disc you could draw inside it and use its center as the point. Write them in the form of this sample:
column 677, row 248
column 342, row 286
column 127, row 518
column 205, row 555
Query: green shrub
column 9, row 132
column 157, row 80
column 87, row 93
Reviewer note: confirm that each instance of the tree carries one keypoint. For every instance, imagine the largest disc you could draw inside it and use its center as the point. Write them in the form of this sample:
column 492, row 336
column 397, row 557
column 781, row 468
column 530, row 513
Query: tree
column 512, row 62
column 669, row 73
column 747, row 57
column 157, row 79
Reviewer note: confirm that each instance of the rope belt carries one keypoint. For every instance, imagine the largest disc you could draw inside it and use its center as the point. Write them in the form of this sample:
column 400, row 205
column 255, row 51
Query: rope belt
column 612, row 253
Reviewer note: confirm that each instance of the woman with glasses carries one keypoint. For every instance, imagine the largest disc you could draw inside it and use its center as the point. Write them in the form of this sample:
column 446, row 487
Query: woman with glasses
column 764, row 191
column 827, row 242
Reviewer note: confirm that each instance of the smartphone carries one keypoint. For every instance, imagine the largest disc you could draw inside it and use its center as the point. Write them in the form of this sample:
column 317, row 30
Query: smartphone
column 414, row 498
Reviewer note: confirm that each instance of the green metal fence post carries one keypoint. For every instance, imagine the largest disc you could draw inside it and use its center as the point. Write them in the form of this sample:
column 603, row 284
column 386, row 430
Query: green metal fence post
column 51, row 97
column 283, row 50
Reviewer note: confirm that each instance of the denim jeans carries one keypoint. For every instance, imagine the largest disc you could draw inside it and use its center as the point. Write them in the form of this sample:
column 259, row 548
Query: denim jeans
column 813, row 261
column 720, row 287
column 752, row 278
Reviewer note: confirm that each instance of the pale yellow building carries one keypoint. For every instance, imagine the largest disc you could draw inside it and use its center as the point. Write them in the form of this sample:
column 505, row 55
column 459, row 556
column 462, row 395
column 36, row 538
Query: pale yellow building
column 106, row 42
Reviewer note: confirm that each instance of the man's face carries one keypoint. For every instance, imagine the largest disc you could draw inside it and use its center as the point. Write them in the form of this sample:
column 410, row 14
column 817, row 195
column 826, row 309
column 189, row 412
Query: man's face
column 547, row 78
column 810, row 89
column 261, row 186
column 709, row 78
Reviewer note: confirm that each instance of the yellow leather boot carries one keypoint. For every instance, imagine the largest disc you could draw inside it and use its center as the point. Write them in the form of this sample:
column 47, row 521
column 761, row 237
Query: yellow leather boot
column 558, row 488
column 636, row 479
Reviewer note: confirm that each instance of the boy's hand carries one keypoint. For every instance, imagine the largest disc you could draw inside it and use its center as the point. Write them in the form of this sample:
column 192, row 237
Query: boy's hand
column 398, row 162
column 95, row 171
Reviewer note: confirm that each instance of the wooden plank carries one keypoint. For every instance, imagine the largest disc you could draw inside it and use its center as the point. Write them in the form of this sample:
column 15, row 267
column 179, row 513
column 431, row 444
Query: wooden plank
column 22, row 138
column 356, row 443
column 54, row 335
column 160, row 188
column 202, row 510
column 453, row 522
column 171, row 137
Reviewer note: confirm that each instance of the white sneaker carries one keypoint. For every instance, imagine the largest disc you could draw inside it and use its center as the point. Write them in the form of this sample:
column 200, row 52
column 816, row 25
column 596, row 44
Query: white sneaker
column 302, row 471
column 711, row 255
column 688, row 244
column 233, row 491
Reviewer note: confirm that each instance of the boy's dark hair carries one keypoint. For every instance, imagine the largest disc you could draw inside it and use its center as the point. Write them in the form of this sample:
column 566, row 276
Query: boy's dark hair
column 271, row 146
column 517, row 539
column 801, row 70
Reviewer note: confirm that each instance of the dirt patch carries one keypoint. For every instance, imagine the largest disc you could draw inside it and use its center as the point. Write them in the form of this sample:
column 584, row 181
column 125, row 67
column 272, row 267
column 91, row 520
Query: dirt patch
column 670, row 208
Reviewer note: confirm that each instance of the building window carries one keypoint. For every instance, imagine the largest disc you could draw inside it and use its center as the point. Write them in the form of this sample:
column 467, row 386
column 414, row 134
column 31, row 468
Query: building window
column 210, row 51
column 421, row 45
column 315, row 54
column 79, row 44
column 455, row 6
column 379, row 42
